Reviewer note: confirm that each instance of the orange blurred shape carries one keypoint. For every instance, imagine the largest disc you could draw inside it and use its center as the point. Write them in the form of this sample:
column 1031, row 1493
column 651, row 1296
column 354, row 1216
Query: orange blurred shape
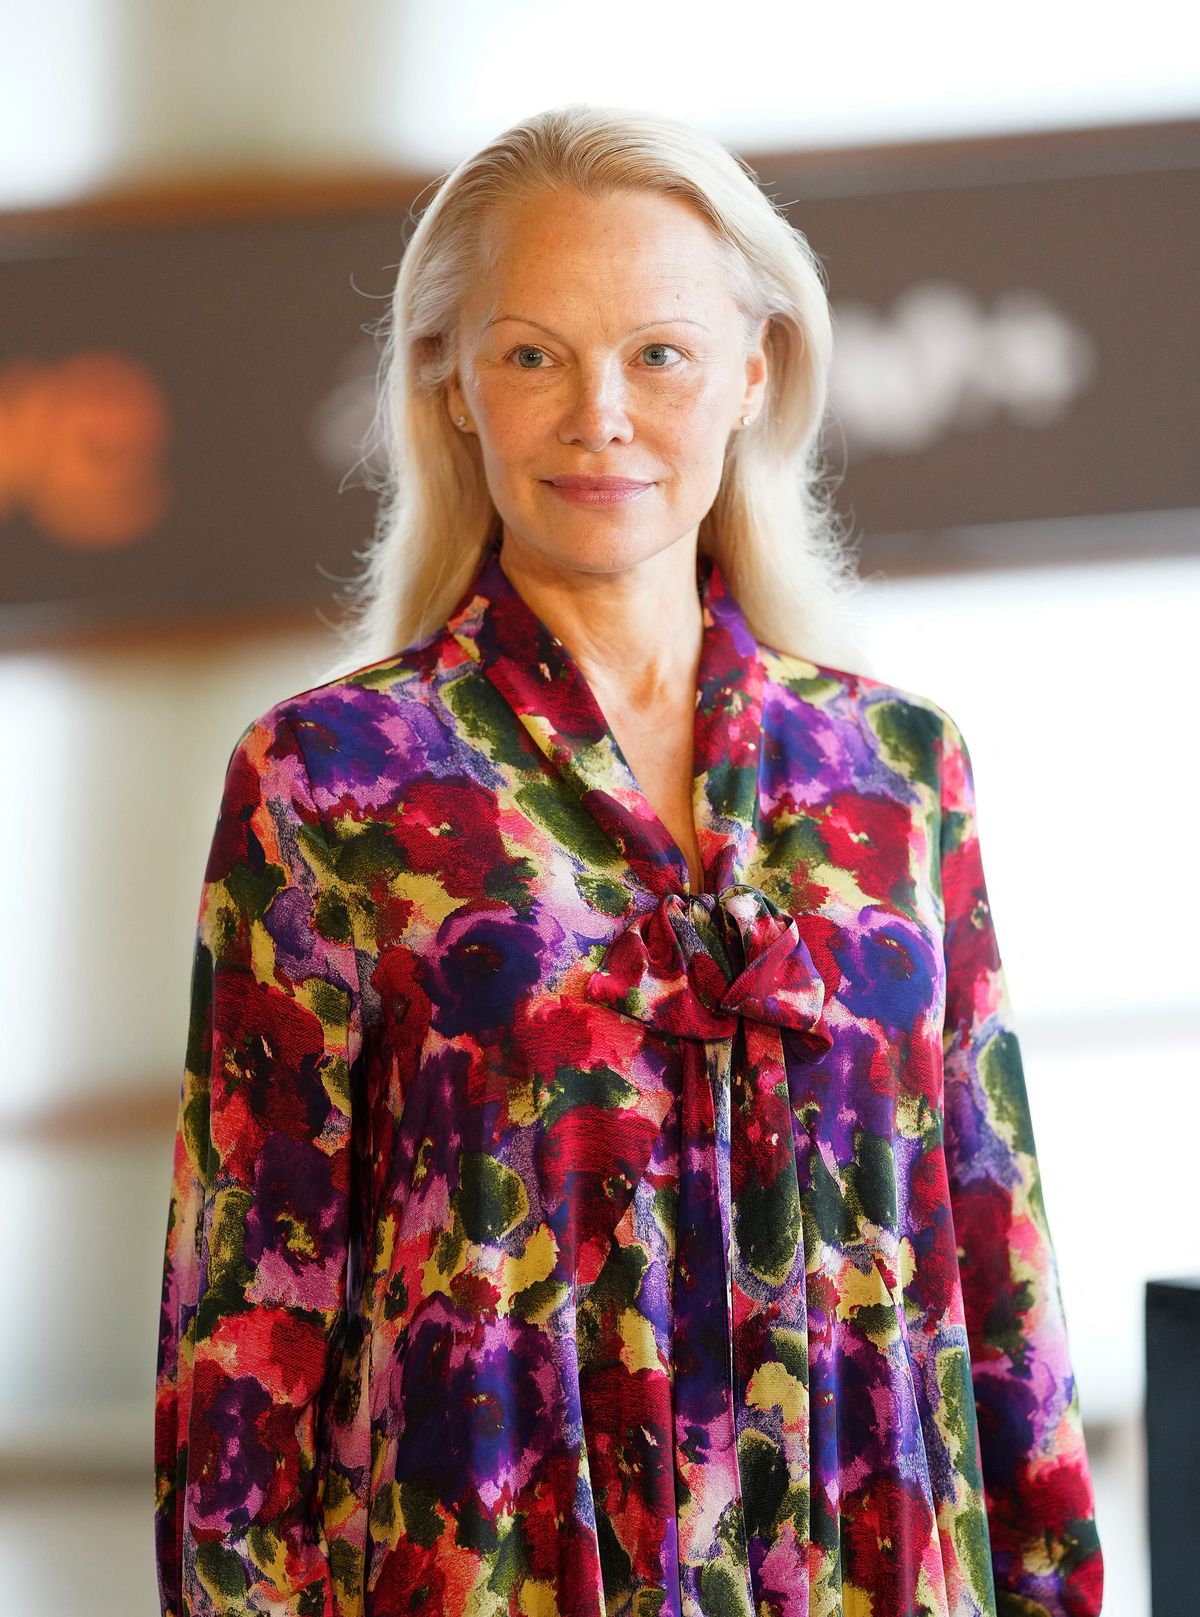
column 81, row 447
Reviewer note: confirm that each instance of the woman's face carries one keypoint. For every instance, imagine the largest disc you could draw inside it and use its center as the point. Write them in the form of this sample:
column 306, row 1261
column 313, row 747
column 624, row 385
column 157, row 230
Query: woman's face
column 600, row 339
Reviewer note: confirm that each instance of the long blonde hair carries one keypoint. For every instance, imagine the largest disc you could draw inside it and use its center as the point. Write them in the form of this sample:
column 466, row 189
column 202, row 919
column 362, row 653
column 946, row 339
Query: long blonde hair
column 772, row 527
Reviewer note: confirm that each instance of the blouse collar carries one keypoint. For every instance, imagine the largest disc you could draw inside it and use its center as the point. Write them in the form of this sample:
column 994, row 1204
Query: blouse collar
column 544, row 686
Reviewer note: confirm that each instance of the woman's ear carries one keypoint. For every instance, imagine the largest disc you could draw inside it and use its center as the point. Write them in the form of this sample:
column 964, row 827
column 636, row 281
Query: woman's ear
column 454, row 399
column 757, row 371
column 457, row 406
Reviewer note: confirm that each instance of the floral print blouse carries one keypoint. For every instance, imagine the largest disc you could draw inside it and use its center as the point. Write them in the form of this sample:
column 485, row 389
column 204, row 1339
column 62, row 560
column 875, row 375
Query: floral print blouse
column 546, row 1237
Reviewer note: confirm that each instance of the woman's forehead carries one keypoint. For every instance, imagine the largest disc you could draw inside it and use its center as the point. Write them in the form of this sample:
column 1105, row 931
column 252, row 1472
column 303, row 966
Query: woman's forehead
column 649, row 262
column 628, row 232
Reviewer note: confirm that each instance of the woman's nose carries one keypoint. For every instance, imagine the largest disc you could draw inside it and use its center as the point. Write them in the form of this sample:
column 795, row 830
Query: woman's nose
column 597, row 409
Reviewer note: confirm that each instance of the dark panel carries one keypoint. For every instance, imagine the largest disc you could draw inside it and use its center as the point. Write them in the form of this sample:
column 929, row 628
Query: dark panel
column 1058, row 323
column 181, row 403
column 247, row 330
column 1173, row 1443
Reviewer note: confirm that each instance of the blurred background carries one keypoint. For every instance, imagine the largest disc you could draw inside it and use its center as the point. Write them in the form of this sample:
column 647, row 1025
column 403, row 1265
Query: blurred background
column 202, row 207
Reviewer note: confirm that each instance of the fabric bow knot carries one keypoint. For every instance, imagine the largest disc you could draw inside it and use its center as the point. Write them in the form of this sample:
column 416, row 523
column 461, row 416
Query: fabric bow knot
column 696, row 962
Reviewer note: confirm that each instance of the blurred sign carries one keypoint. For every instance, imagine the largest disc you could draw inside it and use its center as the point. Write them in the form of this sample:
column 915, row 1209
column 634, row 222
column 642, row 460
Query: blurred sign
column 82, row 447
column 174, row 425
column 183, row 402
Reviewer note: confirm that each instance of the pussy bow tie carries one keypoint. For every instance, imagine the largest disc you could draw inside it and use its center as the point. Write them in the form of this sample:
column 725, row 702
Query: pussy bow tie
column 696, row 962
column 695, row 965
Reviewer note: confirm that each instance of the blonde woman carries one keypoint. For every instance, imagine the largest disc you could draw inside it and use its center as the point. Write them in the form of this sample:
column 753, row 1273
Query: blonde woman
column 604, row 1179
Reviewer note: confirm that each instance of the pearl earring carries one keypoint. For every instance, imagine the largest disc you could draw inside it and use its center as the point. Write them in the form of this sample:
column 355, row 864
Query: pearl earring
column 462, row 420
column 745, row 421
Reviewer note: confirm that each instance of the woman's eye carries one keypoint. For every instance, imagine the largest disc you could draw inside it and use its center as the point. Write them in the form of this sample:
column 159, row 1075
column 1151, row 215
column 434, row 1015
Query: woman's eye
column 527, row 348
column 659, row 348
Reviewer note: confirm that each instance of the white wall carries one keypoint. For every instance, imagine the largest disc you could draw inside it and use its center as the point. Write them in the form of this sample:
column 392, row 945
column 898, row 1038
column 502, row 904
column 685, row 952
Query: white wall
column 93, row 91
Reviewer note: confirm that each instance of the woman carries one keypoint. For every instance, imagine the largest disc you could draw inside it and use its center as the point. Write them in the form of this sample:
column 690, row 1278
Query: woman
column 604, row 1180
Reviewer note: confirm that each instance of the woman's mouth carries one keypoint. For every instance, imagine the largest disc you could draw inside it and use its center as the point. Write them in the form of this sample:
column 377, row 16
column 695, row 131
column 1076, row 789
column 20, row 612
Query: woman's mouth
column 597, row 490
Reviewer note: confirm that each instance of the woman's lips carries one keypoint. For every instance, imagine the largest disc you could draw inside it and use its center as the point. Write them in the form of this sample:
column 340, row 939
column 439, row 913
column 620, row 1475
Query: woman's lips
column 597, row 490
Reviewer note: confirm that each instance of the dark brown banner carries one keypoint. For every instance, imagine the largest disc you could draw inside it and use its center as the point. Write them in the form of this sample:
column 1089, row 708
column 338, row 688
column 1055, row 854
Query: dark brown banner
column 183, row 399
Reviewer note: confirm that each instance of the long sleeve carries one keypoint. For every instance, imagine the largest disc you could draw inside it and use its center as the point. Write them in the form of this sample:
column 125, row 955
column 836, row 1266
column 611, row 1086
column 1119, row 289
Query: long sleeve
column 1045, row 1551
column 254, row 1277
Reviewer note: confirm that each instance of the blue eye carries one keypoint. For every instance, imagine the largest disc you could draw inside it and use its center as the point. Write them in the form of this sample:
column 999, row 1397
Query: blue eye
column 661, row 346
column 528, row 348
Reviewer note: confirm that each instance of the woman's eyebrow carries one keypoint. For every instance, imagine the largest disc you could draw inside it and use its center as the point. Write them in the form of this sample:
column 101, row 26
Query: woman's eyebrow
column 671, row 320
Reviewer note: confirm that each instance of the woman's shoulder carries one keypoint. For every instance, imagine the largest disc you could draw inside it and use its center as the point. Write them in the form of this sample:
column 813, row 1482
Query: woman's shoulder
column 352, row 717
column 413, row 674
column 854, row 693
column 903, row 733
